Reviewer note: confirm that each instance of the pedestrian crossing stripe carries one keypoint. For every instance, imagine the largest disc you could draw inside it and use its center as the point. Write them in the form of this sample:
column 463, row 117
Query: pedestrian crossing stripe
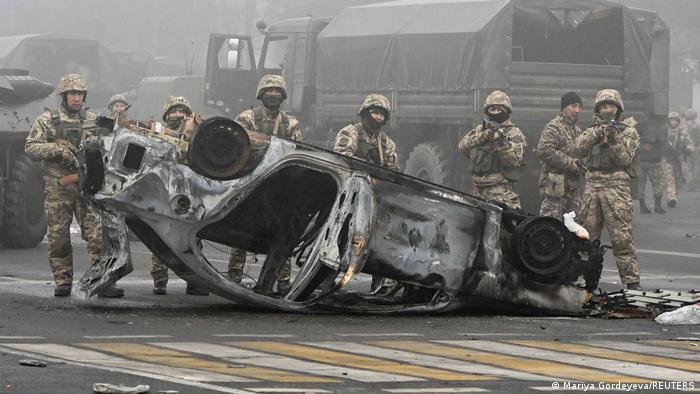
column 157, row 355
column 687, row 345
column 400, row 361
column 355, row 361
column 552, row 369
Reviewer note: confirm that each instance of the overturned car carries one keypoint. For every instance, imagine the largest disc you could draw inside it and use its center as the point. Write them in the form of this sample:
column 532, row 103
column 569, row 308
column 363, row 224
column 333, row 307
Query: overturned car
column 338, row 219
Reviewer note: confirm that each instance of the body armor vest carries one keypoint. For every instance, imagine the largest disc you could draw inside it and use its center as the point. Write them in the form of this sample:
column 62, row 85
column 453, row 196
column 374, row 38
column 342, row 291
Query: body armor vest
column 70, row 131
column 366, row 150
column 267, row 126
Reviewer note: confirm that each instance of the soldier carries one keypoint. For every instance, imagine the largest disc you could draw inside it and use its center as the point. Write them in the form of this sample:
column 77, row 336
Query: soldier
column 267, row 118
column 609, row 147
column 560, row 174
column 367, row 141
column 175, row 111
column 117, row 103
column 496, row 149
column 679, row 148
column 54, row 139
column 651, row 168
column 693, row 162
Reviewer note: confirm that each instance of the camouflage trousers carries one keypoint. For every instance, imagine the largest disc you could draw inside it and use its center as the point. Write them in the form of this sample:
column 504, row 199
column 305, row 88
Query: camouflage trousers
column 237, row 261
column 159, row 271
column 671, row 189
column 61, row 203
column 609, row 204
column 502, row 193
column 692, row 170
column 655, row 174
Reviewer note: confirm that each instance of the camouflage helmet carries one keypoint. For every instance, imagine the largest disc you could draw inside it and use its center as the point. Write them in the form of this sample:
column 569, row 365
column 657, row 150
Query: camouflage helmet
column 176, row 101
column 691, row 114
column 71, row 83
column 117, row 98
column 498, row 98
column 674, row 115
column 610, row 96
column 376, row 101
column 271, row 81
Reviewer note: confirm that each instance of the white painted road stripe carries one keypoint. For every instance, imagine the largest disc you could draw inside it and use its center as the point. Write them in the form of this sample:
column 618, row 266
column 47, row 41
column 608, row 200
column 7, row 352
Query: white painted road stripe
column 251, row 357
column 285, row 390
column 149, row 375
column 439, row 390
column 95, row 358
column 426, row 360
column 669, row 253
column 10, row 337
column 646, row 349
column 621, row 367
column 254, row 335
column 615, row 334
column 398, row 334
column 125, row 336
column 495, row 334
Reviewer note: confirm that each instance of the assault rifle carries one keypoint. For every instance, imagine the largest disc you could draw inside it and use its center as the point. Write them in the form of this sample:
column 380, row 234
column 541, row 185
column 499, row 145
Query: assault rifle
column 499, row 135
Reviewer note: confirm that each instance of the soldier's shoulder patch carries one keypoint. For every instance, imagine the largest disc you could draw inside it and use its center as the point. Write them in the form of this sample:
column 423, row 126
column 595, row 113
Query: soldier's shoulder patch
column 630, row 122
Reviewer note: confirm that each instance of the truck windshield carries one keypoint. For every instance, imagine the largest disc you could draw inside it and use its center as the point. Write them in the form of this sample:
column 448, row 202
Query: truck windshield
column 276, row 56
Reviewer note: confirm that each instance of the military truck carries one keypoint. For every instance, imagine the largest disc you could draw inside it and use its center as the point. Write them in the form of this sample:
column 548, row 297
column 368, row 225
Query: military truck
column 22, row 98
column 438, row 60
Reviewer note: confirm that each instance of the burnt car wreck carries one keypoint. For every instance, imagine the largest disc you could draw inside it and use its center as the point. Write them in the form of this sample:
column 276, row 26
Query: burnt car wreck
column 336, row 217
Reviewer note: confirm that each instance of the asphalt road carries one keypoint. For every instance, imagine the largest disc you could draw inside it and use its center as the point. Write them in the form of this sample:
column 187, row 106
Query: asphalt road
column 196, row 344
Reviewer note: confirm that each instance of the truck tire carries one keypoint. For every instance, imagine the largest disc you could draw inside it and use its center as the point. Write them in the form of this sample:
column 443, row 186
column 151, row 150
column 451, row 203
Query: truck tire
column 24, row 223
column 428, row 162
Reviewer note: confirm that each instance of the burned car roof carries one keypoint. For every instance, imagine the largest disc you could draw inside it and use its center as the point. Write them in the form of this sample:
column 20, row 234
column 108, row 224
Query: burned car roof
column 338, row 219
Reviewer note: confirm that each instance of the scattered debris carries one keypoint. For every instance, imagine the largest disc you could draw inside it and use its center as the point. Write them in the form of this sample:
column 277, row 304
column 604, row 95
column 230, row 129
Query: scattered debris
column 691, row 235
column 689, row 314
column 32, row 363
column 625, row 304
column 107, row 388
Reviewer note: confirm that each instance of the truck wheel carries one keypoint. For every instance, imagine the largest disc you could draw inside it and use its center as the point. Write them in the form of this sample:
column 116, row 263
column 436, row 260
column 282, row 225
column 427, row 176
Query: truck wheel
column 24, row 225
column 428, row 162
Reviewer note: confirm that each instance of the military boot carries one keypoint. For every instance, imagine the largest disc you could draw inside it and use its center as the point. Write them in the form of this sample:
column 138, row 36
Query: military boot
column 111, row 291
column 194, row 290
column 283, row 286
column 159, row 287
column 657, row 205
column 634, row 286
column 62, row 290
column 643, row 206
column 671, row 203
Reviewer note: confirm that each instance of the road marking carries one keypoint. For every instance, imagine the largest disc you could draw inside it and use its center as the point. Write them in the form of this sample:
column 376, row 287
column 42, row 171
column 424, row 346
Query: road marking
column 501, row 334
column 647, row 349
column 90, row 358
column 398, row 334
column 254, row 335
column 616, row 334
column 688, row 345
column 179, row 359
column 669, row 253
column 518, row 361
column 18, row 337
column 242, row 356
column 285, row 390
column 426, row 360
column 355, row 361
column 620, row 356
column 439, row 390
column 125, row 336
column 621, row 367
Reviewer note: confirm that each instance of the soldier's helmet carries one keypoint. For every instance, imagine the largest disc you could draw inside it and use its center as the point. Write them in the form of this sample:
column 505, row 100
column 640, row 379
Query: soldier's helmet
column 117, row 98
column 610, row 96
column 674, row 115
column 176, row 101
column 498, row 98
column 271, row 81
column 71, row 83
column 691, row 114
column 376, row 101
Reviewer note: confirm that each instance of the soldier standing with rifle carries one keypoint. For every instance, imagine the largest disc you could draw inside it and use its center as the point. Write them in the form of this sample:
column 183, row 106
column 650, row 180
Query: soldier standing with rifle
column 693, row 163
column 609, row 147
column 496, row 149
column 679, row 148
column 54, row 139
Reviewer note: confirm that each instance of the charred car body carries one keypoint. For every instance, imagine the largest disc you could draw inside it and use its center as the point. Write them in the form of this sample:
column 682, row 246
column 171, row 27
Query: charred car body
column 338, row 217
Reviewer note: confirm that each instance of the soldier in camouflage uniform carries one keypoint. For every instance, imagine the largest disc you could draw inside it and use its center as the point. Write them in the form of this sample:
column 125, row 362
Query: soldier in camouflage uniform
column 651, row 168
column 693, row 162
column 117, row 103
column 54, row 139
column 560, row 174
column 176, row 111
column 679, row 148
column 609, row 147
column 269, row 119
column 496, row 152
column 367, row 141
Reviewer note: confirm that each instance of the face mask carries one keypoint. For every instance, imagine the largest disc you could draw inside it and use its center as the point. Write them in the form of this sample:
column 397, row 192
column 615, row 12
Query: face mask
column 272, row 102
column 371, row 125
column 606, row 118
column 499, row 118
column 174, row 123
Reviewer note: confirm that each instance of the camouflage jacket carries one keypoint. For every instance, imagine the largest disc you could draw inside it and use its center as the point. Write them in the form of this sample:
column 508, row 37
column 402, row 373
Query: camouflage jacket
column 266, row 123
column 611, row 161
column 555, row 148
column 680, row 142
column 377, row 148
column 693, row 131
column 44, row 144
column 507, row 158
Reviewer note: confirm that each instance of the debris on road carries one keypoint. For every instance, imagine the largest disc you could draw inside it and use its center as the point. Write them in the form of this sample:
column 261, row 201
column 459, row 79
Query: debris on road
column 625, row 304
column 32, row 363
column 689, row 314
column 107, row 388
